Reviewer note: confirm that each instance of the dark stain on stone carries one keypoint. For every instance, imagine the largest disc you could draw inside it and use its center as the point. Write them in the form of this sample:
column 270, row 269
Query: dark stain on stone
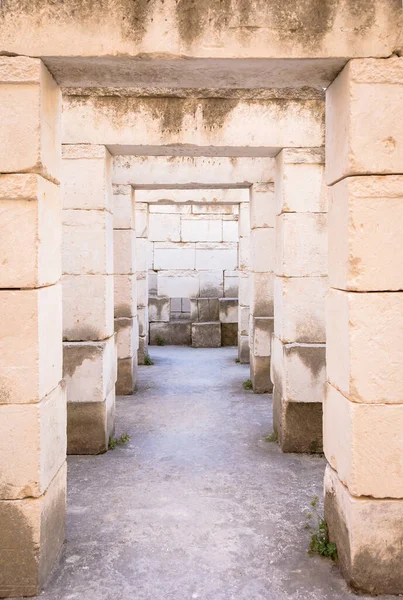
column 122, row 323
column 301, row 427
column 75, row 354
column 194, row 16
column 216, row 110
column 123, row 310
column 81, row 333
column 313, row 357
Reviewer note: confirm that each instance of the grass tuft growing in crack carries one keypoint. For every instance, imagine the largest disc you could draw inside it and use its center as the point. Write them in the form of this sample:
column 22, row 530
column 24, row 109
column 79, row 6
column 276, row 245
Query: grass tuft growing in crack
column 320, row 543
column 271, row 437
column 114, row 442
column 159, row 341
column 148, row 361
column 247, row 385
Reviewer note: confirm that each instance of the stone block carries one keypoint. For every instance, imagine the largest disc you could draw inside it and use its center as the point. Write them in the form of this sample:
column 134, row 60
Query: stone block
column 170, row 256
column 244, row 253
column 229, row 334
column 31, row 104
column 216, row 257
column 211, row 284
column 365, row 345
column 124, row 251
column 230, row 231
column 185, row 305
column 231, row 284
column 228, row 310
column 159, row 308
column 31, row 232
column 90, row 425
column 197, row 228
column 244, row 296
column 206, row 335
column 298, row 425
column 175, row 305
column 299, row 304
column 143, row 349
column 300, row 181
column 124, row 214
column 367, row 90
column 204, row 310
column 215, row 209
column 142, row 289
column 125, row 295
column 89, row 370
column 244, row 219
column 88, row 246
column 243, row 349
column 366, row 233
column 260, row 374
column 243, row 319
column 262, row 331
column 126, row 383
column 178, row 284
column 262, row 249
column 142, row 246
column 172, row 334
column 87, row 307
column 126, row 330
column 164, row 227
column 183, row 209
column 30, row 344
column 141, row 219
column 152, row 283
column 262, row 205
column 368, row 464
column 261, row 294
column 143, row 320
column 33, row 532
column 87, row 177
column 367, row 533
column 32, row 445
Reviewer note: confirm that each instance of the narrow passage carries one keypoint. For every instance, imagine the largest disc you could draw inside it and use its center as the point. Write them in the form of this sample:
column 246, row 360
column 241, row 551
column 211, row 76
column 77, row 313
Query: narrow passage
column 197, row 505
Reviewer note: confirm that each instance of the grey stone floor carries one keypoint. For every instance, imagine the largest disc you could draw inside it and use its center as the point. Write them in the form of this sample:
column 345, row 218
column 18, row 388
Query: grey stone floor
column 197, row 505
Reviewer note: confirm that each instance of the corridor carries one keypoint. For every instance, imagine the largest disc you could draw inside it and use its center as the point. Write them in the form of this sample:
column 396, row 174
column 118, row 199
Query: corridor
column 197, row 505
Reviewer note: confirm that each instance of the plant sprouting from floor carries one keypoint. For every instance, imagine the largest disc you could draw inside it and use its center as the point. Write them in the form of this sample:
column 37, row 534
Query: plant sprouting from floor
column 120, row 441
column 271, row 437
column 237, row 360
column 247, row 385
column 159, row 341
column 148, row 361
column 317, row 527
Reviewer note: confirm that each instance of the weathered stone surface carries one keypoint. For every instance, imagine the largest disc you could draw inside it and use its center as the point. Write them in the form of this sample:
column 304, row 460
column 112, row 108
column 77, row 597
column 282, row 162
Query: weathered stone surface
column 244, row 254
column 126, row 330
column 228, row 310
column 244, row 296
column 206, row 335
column 214, row 257
column 201, row 228
column 262, row 205
column 170, row 256
column 261, row 333
column 142, row 256
column 262, row 294
column 142, row 318
column 243, row 319
column 231, row 284
column 262, row 249
column 126, row 383
column 159, row 308
column 211, row 284
column 178, row 284
column 298, row 424
column 90, row 425
column 243, row 349
column 204, row 309
column 260, row 374
column 142, row 289
column 143, row 349
column 164, row 227
column 172, row 334
column 230, row 231
column 229, row 334
column 300, row 181
column 141, row 219
column 124, row 251
column 125, row 295
column 124, row 213
column 88, row 247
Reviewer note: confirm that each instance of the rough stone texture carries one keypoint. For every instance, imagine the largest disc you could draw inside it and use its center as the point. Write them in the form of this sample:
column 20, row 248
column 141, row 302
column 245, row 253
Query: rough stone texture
column 159, row 308
column 124, row 246
column 261, row 294
column 126, row 330
column 143, row 349
column 228, row 310
column 172, row 334
column 206, row 335
column 205, row 310
column 243, row 349
column 124, row 210
column 126, row 382
column 90, row 425
column 125, row 295
column 229, row 334
column 298, row 424
column 260, row 374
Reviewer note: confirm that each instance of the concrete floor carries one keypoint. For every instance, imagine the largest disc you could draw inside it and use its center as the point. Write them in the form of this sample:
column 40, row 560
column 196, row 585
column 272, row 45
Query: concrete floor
column 197, row 505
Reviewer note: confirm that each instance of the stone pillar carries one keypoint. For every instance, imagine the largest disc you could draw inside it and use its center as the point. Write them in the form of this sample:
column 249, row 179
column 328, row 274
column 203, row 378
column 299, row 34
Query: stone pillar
column 298, row 366
column 89, row 352
column 32, row 398
column 142, row 245
column 363, row 410
column 261, row 321
column 244, row 283
column 126, row 325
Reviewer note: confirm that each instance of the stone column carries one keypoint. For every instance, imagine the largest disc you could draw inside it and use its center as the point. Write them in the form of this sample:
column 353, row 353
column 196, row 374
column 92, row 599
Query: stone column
column 89, row 351
column 32, row 398
column 126, row 325
column 261, row 321
column 363, row 411
column 142, row 246
column 244, row 283
column 300, row 284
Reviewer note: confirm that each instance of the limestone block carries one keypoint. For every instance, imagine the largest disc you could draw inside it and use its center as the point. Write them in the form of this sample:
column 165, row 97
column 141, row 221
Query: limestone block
column 159, row 308
column 142, row 289
column 143, row 349
column 367, row 533
column 31, row 105
column 87, row 247
column 300, row 181
column 243, row 348
column 365, row 345
column 262, row 294
column 216, row 257
column 262, row 205
column 30, row 344
column 170, row 208
column 355, row 445
column 231, row 284
column 176, row 305
column 126, row 383
column 172, row 334
column 301, row 244
column 124, row 244
column 262, row 331
column 230, row 231
column 32, row 445
column 206, row 335
column 299, row 306
column 244, row 253
column 260, row 374
column 262, row 249
column 185, row 302
column 141, row 219
column 366, row 233
column 142, row 259
column 211, row 284
column 215, row 209
column 164, row 227
column 243, row 319
column 152, row 283
column 298, row 371
column 244, row 219
column 298, row 425
column 86, row 177
column 126, row 330
column 89, row 369
column 244, row 289
column 367, row 90
column 124, row 214
column 204, row 310
column 178, row 284
column 30, row 558
column 229, row 334
column 198, row 228
column 31, row 232
column 87, row 307
column 228, row 310
column 143, row 320
column 125, row 295
column 90, row 425
column 150, row 255
column 174, row 256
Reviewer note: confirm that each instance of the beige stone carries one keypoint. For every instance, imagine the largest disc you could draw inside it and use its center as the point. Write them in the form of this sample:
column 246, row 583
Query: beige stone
column 243, row 319
column 244, row 219
column 178, row 284
column 262, row 248
column 228, row 310
column 30, row 344
column 164, row 227
column 244, row 254
column 172, row 334
column 262, row 331
column 126, row 330
column 126, row 383
column 141, row 219
column 142, row 245
column 87, row 242
column 90, row 425
column 124, row 244
column 298, row 425
column 216, row 256
column 262, row 294
column 31, row 232
column 142, row 289
column 260, row 374
column 206, row 335
column 124, row 213
column 262, row 205
column 230, row 231
column 244, row 288
column 243, row 349
column 125, row 295
column 143, row 320
column 168, row 255
column 159, row 309
column 201, row 228
column 143, row 349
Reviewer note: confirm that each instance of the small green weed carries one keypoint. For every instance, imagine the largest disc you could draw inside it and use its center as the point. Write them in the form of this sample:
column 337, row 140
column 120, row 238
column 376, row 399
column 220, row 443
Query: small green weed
column 247, row 385
column 237, row 360
column 159, row 341
column 272, row 437
column 123, row 439
column 148, row 361
column 320, row 543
